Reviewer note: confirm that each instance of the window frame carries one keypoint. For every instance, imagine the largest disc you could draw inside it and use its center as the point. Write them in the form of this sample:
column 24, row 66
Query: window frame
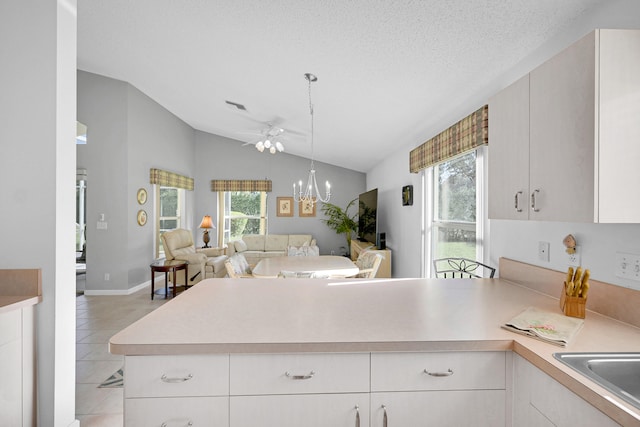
column 224, row 199
column 181, row 215
column 431, row 224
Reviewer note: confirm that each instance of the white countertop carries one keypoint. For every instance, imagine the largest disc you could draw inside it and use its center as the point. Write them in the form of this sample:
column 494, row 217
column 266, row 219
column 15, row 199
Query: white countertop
column 314, row 315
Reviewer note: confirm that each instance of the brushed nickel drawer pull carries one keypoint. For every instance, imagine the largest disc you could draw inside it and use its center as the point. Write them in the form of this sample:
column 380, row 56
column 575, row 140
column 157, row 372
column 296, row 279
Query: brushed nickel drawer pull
column 357, row 416
column 439, row 374
column 533, row 200
column 384, row 416
column 517, row 201
column 299, row 377
column 173, row 380
column 189, row 424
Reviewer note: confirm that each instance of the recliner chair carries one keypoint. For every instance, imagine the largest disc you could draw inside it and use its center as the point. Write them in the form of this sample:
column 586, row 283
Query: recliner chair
column 203, row 263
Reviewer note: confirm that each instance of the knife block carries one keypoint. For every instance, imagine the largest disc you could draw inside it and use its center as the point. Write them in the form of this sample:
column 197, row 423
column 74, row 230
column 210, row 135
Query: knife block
column 572, row 306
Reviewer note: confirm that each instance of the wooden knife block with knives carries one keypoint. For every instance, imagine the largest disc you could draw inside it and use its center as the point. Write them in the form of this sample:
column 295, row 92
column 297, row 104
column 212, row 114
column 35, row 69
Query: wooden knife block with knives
column 573, row 299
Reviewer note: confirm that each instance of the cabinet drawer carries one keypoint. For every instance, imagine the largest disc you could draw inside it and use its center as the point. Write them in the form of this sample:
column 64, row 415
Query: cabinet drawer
column 165, row 376
column 177, row 411
column 308, row 410
column 299, row 373
column 449, row 371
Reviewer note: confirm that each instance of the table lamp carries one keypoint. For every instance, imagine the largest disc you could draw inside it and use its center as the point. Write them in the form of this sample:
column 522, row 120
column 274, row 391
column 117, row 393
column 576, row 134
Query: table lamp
column 206, row 224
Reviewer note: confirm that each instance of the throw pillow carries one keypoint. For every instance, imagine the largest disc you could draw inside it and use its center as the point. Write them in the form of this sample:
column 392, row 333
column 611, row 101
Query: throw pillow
column 240, row 246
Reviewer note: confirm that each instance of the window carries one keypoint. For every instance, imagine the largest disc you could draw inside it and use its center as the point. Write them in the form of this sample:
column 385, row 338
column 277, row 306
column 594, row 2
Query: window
column 170, row 208
column 457, row 208
column 241, row 212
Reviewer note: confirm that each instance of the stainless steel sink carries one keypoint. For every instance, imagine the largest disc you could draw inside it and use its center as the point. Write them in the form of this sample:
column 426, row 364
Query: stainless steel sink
column 617, row 372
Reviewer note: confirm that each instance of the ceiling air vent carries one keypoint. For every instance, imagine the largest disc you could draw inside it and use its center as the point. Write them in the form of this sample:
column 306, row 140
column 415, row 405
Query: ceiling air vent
column 236, row 105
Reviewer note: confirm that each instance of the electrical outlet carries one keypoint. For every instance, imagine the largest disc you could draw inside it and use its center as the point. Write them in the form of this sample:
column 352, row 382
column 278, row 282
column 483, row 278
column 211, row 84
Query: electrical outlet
column 543, row 251
column 106, row 277
column 574, row 259
column 628, row 266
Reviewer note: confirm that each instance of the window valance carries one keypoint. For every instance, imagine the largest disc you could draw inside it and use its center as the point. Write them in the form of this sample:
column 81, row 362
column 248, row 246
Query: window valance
column 240, row 185
column 468, row 134
column 170, row 179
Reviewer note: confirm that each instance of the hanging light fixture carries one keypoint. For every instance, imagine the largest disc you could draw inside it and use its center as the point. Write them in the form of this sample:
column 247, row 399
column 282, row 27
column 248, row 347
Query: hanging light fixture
column 270, row 144
column 310, row 193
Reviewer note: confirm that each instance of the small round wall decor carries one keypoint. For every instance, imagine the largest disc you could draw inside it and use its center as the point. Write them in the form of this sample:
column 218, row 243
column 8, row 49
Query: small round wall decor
column 142, row 217
column 142, row 196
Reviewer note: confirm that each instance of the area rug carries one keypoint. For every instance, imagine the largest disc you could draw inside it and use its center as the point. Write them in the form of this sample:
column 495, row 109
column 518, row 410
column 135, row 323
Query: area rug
column 114, row 381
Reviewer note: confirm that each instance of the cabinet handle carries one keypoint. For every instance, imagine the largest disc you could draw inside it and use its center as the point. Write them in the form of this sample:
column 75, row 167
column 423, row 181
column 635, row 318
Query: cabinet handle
column 300, row 377
column 384, row 416
column 517, row 201
column 189, row 424
column 174, row 380
column 439, row 374
column 357, row 416
column 533, row 200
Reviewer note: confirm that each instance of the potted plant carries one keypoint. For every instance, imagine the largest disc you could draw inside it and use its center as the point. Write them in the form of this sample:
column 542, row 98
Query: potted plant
column 340, row 221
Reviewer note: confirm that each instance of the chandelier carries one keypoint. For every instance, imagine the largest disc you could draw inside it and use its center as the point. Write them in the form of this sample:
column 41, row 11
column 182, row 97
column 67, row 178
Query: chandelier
column 311, row 194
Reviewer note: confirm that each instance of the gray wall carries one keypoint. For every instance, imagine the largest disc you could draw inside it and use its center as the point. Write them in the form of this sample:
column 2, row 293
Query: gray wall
column 128, row 133
column 37, row 169
column 222, row 158
column 513, row 239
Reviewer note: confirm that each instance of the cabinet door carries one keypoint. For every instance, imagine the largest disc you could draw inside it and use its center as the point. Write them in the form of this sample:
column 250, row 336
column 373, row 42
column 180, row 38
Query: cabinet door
column 309, row 410
column 539, row 400
column 562, row 135
column 439, row 408
column 509, row 152
column 11, row 368
column 177, row 411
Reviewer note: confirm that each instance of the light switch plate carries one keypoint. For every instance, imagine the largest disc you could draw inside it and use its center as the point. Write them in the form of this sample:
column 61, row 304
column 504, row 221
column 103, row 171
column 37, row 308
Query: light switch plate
column 575, row 258
column 543, row 251
column 628, row 266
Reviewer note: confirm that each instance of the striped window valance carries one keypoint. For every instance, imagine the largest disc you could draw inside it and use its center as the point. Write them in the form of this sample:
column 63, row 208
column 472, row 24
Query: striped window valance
column 170, row 179
column 469, row 133
column 240, row 185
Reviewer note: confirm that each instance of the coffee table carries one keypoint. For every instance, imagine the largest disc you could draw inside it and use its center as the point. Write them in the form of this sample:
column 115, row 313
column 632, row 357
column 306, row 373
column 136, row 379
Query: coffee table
column 325, row 265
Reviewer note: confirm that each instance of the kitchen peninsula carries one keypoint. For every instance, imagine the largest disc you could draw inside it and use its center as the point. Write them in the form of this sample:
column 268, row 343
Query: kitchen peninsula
column 352, row 352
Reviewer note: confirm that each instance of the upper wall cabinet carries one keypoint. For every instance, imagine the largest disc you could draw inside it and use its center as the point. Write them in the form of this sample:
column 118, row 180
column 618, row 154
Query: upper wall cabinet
column 564, row 139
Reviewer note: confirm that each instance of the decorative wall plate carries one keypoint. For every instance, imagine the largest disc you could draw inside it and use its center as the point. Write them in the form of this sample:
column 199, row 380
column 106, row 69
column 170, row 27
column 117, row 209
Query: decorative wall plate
column 142, row 217
column 142, row 196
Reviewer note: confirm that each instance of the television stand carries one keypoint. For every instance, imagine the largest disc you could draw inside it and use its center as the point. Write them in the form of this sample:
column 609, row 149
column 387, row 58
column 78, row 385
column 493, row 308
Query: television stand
column 358, row 246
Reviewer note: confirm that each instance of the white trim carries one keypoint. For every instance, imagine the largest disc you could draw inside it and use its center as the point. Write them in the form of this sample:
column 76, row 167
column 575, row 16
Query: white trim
column 97, row 292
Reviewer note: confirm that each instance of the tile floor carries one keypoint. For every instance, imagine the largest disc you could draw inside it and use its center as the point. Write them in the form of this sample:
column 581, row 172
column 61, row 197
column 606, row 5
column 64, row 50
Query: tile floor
column 98, row 318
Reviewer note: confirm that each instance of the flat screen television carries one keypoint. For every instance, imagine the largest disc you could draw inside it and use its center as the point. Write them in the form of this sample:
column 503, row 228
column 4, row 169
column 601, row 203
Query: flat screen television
column 368, row 216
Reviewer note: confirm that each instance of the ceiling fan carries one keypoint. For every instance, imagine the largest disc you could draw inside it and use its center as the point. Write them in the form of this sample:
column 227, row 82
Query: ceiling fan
column 271, row 139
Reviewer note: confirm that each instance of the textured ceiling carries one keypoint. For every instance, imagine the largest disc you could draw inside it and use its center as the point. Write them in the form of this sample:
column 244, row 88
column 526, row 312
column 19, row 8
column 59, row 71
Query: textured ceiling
column 384, row 67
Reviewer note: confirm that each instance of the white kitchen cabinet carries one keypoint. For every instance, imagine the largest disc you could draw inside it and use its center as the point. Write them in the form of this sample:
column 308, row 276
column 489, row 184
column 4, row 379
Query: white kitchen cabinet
column 509, row 152
column 541, row 401
column 309, row 410
column 442, row 388
column 582, row 133
column 177, row 411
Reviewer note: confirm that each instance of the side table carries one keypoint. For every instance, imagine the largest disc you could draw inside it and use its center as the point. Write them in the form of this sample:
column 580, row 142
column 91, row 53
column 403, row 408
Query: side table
column 164, row 266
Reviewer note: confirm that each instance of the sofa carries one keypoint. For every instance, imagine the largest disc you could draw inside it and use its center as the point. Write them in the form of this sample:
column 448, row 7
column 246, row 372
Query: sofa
column 255, row 247
column 209, row 262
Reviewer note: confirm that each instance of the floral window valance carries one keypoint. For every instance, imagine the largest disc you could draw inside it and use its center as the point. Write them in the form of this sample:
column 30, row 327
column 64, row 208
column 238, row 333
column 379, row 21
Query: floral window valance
column 170, row 179
column 240, row 185
column 468, row 134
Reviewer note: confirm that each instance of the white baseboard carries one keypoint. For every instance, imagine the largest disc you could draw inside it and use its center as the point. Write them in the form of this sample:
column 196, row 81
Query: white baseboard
column 95, row 292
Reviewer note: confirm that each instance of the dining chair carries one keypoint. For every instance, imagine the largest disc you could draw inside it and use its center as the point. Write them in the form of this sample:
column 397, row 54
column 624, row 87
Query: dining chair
column 462, row 268
column 368, row 263
column 237, row 267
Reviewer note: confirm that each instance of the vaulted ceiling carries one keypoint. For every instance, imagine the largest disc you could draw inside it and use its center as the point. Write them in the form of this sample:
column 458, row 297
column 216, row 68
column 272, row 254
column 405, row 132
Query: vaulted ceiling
column 385, row 68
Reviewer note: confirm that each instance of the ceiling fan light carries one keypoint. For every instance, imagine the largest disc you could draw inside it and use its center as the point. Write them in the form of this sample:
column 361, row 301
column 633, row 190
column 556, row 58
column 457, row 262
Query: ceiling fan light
column 279, row 146
column 267, row 144
column 272, row 150
column 260, row 146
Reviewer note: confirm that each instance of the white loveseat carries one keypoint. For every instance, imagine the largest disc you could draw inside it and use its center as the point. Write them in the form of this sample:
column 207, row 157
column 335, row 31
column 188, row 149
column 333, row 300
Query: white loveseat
column 255, row 247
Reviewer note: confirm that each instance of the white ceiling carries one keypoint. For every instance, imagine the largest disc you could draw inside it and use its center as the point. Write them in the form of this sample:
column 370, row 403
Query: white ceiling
column 384, row 67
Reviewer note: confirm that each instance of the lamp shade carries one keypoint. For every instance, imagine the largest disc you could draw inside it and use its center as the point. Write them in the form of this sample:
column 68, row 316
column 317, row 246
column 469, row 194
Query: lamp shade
column 206, row 222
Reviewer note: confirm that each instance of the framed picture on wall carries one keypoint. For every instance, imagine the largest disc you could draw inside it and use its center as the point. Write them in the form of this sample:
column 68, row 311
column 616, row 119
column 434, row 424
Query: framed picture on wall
column 307, row 208
column 407, row 195
column 284, row 206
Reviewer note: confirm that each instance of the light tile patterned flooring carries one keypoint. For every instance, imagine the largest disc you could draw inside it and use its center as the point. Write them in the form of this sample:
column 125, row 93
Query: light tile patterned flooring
column 97, row 319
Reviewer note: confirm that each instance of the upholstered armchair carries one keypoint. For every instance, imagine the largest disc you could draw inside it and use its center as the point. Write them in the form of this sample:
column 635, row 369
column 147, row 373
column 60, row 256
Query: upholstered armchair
column 203, row 263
